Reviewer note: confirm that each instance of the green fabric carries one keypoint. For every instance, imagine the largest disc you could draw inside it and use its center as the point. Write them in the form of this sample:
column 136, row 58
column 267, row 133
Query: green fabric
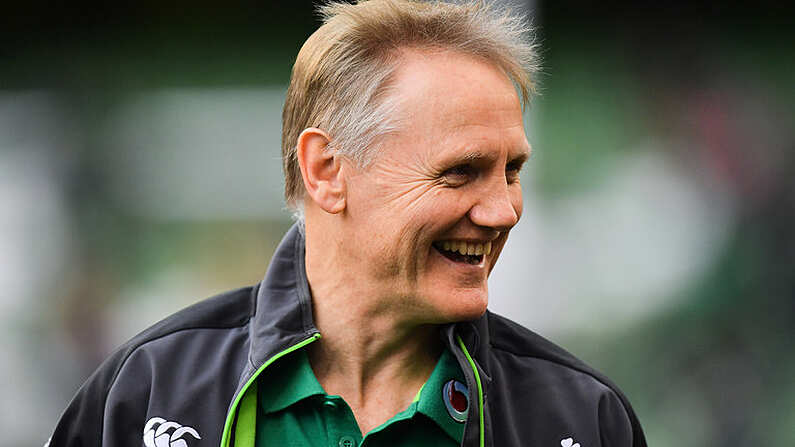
column 250, row 390
column 247, row 418
column 293, row 410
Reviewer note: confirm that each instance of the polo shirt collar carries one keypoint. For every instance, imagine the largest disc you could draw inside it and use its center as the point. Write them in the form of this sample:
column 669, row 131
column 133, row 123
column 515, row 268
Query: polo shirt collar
column 291, row 381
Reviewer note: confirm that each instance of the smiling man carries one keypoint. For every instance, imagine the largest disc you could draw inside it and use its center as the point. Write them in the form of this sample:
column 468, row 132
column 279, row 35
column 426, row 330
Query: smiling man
column 403, row 140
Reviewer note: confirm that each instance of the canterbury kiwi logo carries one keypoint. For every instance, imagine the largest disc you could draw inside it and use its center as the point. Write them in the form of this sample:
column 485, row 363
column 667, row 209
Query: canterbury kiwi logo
column 159, row 432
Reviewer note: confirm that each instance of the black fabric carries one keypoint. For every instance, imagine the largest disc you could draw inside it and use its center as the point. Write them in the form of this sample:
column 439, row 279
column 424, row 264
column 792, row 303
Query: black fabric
column 111, row 406
column 190, row 367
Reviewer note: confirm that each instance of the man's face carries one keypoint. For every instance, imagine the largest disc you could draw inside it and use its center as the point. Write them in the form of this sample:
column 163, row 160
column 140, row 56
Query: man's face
column 447, row 182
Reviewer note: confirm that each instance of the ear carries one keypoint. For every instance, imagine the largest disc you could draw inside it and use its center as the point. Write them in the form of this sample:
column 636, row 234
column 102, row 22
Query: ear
column 322, row 171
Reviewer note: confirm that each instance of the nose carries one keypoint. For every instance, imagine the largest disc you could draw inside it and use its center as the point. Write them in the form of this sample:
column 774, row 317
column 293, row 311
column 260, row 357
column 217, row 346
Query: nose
column 497, row 208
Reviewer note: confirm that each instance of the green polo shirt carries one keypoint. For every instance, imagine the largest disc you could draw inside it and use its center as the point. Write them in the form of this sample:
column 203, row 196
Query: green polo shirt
column 293, row 410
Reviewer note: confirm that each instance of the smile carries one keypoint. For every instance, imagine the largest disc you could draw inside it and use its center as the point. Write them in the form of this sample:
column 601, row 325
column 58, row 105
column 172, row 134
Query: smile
column 463, row 251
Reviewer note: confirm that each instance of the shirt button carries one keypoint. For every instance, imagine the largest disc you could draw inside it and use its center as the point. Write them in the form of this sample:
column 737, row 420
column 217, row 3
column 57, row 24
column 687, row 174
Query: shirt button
column 347, row 441
column 330, row 404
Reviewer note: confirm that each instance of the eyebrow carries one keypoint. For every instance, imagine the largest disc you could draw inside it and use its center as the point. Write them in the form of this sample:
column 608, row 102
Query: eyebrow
column 478, row 156
column 521, row 158
column 474, row 156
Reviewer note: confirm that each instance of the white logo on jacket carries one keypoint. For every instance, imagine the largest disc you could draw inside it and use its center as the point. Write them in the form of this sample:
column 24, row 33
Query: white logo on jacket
column 158, row 433
column 569, row 442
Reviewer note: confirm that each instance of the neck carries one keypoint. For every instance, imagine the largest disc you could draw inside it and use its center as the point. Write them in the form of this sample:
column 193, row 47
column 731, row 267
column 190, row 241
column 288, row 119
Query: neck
column 368, row 355
column 356, row 362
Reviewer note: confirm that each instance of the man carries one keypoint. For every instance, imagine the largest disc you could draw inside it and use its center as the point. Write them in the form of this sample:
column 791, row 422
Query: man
column 402, row 141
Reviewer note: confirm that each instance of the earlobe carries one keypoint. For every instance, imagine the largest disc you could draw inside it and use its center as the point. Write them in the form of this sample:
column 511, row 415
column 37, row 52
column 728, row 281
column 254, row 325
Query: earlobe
column 322, row 170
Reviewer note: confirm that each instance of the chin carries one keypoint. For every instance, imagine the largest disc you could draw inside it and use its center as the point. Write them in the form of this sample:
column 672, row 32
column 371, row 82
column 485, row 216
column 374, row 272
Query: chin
column 463, row 305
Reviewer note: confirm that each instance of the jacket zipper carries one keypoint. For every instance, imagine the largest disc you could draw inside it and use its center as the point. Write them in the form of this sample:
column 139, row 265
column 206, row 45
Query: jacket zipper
column 230, row 417
column 481, row 426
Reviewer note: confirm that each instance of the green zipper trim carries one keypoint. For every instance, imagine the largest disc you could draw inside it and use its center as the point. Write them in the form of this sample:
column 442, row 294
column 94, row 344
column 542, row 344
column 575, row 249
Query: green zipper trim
column 230, row 417
column 246, row 427
column 419, row 392
column 480, row 390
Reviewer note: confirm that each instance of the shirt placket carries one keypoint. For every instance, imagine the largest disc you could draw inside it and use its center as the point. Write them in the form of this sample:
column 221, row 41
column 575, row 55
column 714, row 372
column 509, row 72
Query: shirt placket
column 342, row 429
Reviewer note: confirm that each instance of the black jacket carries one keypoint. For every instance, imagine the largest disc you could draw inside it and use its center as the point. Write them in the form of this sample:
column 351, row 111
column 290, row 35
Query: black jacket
column 179, row 383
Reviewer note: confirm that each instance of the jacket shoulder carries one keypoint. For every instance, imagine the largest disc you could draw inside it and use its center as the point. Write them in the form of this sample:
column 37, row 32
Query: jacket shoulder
column 512, row 337
column 155, row 348
column 226, row 310
column 563, row 390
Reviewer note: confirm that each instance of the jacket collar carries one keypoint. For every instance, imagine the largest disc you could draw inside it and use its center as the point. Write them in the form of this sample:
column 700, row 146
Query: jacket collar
column 283, row 309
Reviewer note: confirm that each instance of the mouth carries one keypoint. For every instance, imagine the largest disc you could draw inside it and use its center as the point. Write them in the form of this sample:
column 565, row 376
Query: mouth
column 463, row 251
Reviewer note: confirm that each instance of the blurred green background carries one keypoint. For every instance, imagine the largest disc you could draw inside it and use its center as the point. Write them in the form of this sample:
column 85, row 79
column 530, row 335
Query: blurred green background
column 139, row 173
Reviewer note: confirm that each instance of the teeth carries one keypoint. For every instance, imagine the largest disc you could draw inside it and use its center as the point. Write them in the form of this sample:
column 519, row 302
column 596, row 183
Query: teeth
column 466, row 248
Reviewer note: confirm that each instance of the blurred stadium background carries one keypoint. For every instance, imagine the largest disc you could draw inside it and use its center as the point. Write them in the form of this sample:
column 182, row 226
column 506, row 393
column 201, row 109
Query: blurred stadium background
column 139, row 173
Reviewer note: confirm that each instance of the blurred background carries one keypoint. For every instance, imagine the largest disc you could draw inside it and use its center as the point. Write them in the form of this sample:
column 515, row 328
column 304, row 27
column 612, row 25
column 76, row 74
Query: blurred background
column 140, row 172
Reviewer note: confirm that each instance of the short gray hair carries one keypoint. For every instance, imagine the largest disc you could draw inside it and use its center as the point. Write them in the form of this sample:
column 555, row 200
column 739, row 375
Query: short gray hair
column 341, row 77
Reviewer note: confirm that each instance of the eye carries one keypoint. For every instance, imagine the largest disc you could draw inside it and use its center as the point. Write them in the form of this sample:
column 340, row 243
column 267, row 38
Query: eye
column 458, row 175
column 512, row 171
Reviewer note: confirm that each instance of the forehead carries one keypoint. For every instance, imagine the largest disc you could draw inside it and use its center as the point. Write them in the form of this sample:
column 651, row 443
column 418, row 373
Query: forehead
column 447, row 101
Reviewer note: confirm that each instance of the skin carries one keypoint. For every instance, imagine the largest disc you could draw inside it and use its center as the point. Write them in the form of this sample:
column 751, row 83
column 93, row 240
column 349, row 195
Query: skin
column 380, row 289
